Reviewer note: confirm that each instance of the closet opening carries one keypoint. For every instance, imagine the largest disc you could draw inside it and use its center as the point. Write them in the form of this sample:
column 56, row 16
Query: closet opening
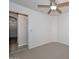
column 18, row 31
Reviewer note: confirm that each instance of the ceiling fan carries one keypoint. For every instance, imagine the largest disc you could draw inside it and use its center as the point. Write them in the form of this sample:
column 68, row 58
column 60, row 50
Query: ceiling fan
column 54, row 7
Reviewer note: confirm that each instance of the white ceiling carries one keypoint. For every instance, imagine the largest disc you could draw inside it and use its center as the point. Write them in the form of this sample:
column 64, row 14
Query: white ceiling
column 32, row 4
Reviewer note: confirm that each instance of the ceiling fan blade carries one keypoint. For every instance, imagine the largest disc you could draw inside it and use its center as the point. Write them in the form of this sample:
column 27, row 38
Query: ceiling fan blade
column 44, row 6
column 63, row 4
column 51, row 2
column 49, row 11
column 58, row 10
column 55, row 2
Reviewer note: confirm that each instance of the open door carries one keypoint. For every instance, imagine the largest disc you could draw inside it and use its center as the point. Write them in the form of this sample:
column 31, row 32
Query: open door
column 22, row 30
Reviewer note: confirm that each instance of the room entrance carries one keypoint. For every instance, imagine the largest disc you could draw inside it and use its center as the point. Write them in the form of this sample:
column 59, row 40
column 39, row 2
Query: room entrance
column 18, row 31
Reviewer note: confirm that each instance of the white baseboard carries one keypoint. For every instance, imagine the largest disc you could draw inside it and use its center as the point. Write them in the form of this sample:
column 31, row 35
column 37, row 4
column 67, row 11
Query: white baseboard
column 44, row 42
column 37, row 44
column 22, row 44
column 63, row 42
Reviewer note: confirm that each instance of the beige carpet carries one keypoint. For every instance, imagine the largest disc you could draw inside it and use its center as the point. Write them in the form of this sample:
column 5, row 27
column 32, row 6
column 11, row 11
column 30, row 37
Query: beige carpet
column 47, row 51
column 12, row 43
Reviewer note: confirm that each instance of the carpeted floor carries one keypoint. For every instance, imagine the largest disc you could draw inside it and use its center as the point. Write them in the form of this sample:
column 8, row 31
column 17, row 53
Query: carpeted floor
column 12, row 44
column 47, row 51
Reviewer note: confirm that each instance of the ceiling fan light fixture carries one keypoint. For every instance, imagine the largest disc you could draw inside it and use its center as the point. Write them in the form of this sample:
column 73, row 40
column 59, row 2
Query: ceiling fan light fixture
column 53, row 7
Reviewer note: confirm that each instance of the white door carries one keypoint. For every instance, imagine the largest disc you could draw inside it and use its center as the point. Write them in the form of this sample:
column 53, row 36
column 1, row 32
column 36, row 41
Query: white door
column 22, row 30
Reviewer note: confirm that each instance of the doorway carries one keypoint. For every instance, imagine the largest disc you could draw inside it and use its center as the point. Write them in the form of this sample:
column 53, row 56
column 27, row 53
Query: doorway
column 18, row 31
column 13, row 31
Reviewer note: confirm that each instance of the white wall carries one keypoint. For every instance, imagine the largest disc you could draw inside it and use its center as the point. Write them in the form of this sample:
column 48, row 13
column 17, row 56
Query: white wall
column 39, row 25
column 54, row 31
column 41, row 29
column 63, row 28
column 22, row 30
